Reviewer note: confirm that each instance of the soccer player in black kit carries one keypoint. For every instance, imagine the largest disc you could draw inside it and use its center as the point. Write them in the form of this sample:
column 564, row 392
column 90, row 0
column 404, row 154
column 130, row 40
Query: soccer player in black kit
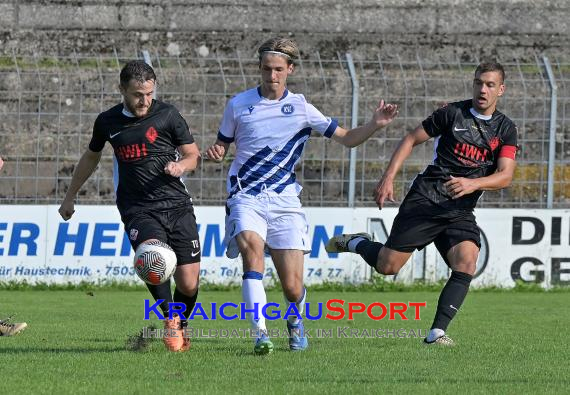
column 475, row 152
column 153, row 148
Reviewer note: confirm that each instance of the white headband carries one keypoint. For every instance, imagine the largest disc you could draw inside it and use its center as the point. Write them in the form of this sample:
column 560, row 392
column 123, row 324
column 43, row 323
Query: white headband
column 277, row 53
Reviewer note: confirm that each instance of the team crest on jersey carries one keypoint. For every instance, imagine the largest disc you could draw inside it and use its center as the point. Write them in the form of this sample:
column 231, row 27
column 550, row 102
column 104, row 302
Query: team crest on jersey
column 151, row 134
column 133, row 234
column 287, row 109
column 494, row 143
column 250, row 108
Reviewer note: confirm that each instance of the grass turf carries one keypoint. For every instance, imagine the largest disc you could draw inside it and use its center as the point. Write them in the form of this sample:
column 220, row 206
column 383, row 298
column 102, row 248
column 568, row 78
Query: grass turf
column 82, row 342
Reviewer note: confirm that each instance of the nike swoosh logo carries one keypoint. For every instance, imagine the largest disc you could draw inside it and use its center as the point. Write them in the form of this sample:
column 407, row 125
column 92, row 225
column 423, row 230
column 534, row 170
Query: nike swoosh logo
column 453, row 307
column 114, row 135
column 193, row 254
column 460, row 130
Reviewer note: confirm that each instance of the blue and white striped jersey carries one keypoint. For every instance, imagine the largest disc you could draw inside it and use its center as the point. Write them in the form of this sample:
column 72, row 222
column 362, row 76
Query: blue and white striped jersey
column 270, row 136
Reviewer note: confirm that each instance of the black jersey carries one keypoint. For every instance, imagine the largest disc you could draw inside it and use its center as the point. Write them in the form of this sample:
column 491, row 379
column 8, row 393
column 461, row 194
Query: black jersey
column 466, row 146
column 143, row 146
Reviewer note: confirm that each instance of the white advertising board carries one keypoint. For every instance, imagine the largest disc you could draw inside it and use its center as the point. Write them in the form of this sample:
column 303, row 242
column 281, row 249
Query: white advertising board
column 37, row 246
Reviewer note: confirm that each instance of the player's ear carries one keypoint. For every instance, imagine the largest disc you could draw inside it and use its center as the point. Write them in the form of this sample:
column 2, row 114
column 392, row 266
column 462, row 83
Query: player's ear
column 290, row 68
column 502, row 89
column 122, row 90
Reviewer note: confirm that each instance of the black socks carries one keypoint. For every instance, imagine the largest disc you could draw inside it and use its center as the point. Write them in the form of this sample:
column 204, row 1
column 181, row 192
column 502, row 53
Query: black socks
column 161, row 291
column 189, row 301
column 451, row 299
column 369, row 250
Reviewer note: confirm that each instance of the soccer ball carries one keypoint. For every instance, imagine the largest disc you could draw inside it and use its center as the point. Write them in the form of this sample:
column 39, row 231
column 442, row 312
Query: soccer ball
column 155, row 262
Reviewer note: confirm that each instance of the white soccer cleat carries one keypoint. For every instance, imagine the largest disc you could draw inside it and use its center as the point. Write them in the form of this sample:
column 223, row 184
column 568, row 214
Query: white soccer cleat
column 7, row 329
column 444, row 341
column 340, row 243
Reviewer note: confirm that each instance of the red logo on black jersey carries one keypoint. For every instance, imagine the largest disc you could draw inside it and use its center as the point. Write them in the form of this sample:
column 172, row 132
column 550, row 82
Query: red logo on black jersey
column 151, row 135
column 131, row 152
column 470, row 152
column 494, row 143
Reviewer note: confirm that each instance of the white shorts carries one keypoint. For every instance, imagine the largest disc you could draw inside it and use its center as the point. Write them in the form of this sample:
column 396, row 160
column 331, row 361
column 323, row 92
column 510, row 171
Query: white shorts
column 279, row 220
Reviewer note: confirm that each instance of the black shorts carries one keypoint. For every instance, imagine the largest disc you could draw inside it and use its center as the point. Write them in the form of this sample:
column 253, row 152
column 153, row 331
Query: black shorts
column 175, row 227
column 421, row 221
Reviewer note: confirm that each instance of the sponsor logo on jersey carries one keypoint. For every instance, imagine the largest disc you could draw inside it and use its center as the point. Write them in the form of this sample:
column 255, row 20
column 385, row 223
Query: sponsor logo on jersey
column 494, row 143
column 471, row 152
column 131, row 152
column 151, row 135
column 287, row 109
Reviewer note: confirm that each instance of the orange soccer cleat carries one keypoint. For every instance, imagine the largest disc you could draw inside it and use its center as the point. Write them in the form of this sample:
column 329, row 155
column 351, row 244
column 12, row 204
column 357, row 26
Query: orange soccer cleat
column 173, row 336
column 186, row 344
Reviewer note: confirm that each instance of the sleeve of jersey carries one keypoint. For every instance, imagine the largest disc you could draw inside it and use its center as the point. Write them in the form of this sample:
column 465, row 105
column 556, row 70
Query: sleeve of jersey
column 98, row 138
column 226, row 133
column 435, row 124
column 317, row 121
column 180, row 132
column 510, row 147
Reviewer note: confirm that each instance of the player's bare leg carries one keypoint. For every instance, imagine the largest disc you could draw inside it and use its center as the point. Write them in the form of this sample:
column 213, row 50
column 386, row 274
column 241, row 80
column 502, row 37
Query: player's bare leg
column 289, row 266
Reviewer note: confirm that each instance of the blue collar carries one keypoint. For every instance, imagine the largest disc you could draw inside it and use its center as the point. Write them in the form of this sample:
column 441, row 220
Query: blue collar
column 282, row 97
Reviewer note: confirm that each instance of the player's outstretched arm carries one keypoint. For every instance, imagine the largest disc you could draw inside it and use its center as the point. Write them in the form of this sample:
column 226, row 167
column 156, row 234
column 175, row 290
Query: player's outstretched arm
column 190, row 157
column 383, row 115
column 385, row 188
column 87, row 164
column 502, row 178
column 217, row 151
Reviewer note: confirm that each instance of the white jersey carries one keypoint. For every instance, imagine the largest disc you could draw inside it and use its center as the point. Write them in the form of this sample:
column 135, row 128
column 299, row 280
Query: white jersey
column 270, row 136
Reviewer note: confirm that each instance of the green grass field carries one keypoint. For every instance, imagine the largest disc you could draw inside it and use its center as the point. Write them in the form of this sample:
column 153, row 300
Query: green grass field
column 78, row 342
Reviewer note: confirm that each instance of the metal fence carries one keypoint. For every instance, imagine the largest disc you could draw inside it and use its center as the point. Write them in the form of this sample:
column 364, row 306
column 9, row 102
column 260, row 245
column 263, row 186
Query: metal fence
column 49, row 103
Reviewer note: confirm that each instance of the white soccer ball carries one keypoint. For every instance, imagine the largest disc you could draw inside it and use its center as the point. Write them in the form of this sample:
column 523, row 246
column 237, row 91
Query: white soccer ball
column 155, row 262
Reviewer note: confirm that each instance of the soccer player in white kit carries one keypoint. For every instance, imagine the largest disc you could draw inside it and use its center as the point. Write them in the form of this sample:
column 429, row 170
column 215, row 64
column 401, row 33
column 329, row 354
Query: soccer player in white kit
column 270, row 127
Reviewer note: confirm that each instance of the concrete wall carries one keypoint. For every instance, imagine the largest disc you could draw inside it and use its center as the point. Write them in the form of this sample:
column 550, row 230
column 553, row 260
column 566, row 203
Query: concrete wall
column 470, row 30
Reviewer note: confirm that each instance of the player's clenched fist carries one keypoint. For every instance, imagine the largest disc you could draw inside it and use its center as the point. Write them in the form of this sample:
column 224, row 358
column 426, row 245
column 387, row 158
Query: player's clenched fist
column 66, row 209
column 174, row 169
column 216, row 152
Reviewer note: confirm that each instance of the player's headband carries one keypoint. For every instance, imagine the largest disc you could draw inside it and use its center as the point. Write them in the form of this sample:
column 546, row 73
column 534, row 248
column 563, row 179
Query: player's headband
column 277, row 53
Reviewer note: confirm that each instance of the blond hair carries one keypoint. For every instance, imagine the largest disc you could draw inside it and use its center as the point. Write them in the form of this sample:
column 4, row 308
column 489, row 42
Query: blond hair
column 280, row 45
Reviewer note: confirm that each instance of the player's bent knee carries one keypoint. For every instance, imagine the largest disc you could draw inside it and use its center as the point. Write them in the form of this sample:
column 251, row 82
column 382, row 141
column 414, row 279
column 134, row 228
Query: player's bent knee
column 391, row 261
column 388, row 269
column 187, row 289
column 187, row 285
column 465, row 267
column 293, row 295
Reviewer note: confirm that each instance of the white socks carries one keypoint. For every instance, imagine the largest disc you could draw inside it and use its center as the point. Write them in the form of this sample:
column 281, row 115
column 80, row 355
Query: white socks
column 353, row 243
column 435, row 334
column 254, row 292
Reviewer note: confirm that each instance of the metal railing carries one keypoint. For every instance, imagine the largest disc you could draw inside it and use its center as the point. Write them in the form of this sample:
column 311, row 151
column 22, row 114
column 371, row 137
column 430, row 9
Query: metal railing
column 49, row 103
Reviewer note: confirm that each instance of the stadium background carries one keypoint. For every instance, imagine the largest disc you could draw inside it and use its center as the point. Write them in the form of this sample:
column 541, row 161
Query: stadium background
column 59, row 62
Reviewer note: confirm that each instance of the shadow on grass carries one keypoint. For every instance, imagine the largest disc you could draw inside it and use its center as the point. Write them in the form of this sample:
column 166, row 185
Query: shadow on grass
column 53, row 350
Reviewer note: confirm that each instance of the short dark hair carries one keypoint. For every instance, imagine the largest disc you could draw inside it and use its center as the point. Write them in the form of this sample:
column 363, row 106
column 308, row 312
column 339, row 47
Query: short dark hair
column 136, row 70
column 486, row 67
